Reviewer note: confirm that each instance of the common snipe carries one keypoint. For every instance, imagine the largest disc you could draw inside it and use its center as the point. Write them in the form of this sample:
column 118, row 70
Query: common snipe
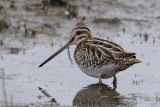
column 97, row 57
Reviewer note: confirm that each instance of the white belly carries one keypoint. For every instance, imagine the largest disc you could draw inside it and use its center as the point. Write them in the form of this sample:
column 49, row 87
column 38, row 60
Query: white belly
column 105, row 71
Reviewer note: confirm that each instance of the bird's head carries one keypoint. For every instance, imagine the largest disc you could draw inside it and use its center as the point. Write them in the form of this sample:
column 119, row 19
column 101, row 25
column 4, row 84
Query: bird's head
column 77, row 35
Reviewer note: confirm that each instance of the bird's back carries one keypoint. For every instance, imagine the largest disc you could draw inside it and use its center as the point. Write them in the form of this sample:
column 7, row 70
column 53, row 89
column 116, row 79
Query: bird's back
column 97, row 53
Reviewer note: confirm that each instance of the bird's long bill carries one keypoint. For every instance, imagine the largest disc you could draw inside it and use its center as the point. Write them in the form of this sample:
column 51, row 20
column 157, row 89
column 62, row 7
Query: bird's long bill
column 56, row 53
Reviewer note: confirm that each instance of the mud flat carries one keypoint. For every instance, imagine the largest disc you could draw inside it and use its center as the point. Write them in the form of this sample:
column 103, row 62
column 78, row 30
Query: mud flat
column 30, row 31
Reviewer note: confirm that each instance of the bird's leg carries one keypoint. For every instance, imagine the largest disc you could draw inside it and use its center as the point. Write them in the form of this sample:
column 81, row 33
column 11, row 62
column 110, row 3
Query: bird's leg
column 100, row 80
column 115, row 82
column 114, row 79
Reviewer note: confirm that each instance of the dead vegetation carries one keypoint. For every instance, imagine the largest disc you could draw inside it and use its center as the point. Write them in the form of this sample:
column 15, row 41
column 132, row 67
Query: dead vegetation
column 31, row 32
column 111, row 21
column 3, row 25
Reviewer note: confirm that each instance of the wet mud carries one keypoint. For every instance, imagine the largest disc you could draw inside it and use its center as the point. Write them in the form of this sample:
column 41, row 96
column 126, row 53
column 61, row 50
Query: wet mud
column 31, row 30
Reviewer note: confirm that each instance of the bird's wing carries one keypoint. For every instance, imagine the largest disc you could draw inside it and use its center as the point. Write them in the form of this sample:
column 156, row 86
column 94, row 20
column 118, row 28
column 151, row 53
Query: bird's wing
column 107, row 48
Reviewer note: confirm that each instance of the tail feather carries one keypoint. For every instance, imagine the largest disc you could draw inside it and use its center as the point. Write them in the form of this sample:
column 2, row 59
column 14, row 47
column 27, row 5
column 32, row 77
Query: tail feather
column 131, row 55
column 133, row 61
column 128, row 62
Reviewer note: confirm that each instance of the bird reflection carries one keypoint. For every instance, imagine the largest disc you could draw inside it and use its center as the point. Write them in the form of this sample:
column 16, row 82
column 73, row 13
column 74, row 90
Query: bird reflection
column 98, row 95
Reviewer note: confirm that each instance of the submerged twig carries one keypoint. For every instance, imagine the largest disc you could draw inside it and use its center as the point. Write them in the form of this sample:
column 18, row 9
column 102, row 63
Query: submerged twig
column 69, row 55
column 4, row 89
column 157, row 97
column 1, row 42
column 44, row 92
column 53, row 100
column 26, row 30
column 11, row 104
column 146, row 36
column 154, row 40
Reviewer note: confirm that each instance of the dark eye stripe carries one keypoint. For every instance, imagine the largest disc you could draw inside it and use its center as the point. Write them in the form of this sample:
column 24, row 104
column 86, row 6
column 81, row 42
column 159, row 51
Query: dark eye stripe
column 78, row 32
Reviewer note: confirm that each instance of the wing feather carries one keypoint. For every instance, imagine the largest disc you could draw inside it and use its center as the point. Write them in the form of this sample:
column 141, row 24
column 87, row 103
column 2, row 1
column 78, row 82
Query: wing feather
column 108, row 49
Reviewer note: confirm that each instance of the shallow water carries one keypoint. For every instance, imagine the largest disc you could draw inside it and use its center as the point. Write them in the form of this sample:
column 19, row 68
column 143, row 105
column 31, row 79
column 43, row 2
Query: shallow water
column 137, row 86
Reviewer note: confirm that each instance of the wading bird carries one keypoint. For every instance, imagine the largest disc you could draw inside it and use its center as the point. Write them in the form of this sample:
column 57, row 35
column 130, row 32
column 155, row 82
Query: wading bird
column 97, row 57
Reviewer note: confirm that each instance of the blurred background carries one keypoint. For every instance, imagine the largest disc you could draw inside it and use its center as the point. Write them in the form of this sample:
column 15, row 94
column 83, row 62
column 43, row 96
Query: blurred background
column 31, row 30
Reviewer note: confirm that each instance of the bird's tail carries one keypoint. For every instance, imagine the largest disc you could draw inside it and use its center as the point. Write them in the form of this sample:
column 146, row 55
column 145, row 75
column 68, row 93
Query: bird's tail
column 132, row 58
column 133, row 61
column 126, row 63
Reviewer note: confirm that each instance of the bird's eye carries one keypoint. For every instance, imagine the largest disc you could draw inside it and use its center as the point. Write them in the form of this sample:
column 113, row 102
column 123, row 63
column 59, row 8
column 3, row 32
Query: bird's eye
column 78, row 32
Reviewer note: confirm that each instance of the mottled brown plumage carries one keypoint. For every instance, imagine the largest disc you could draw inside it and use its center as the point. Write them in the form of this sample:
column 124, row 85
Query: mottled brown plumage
column 96, row 57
